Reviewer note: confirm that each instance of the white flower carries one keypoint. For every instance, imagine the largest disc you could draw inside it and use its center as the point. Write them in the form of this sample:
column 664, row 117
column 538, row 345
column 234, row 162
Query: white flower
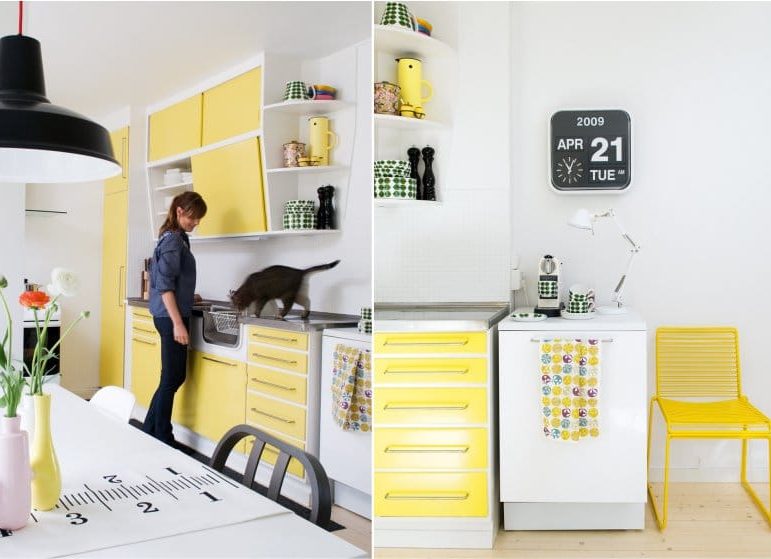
column 63, row 282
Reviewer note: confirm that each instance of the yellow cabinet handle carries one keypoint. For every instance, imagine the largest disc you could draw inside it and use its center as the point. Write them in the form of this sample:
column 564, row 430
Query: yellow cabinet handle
column 445, row 406
column 220, row 362
column 291, row 340
column 425, row 372
column 255, row 410
column 291, row 362
column 143, row 341
column 430, row 449
column 281, row 386
column 457, row 496
column 144, row 330
column 462, row 341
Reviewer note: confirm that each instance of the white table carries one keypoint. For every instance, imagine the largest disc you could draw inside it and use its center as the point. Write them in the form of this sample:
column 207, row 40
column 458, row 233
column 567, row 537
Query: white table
column 141, row 498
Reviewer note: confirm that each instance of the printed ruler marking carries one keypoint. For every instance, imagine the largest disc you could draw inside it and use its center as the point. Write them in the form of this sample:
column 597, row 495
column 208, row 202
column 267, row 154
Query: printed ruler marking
column 216, row 473
column 97, row 497
column 68, row 500
column 156, row 483
column 64, row 504
column 131, row 492
column 33, row 517
column 191, row 482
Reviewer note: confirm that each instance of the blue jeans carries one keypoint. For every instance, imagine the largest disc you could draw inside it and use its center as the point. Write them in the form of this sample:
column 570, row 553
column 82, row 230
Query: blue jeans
column 173, row 370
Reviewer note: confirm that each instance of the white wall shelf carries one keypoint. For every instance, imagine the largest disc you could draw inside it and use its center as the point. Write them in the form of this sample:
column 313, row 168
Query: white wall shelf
column 406, row 123
column 393, row 202
column 402, row 42
column 174, row 186
column 269, row 235
column 310, row 170
column 309, row 107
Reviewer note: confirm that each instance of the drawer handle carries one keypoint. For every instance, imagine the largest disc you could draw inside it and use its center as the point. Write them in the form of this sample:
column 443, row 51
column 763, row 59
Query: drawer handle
column 291, row 340
column 461, row 342
column 281, row 386
column 429, row 449
column 143, row 341
column 459, row 496
column 448, row 406
column 144, row 330
column 425, row 372
column 289, row 421
column 220, row 362
column 538, row 340
column 290, row 361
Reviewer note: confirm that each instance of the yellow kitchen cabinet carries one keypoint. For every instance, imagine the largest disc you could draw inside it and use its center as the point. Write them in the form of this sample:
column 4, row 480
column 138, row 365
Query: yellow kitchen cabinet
column 232, row 108
column 114, row 231
column 212, row 399
column 230, row 180
column 120, row 146
column 431, row 342
column 145, row 365
column 175, row 129
column 416, row 370
column 430, row 449
column 430, row 494
column 430, row 405
column 283, row 338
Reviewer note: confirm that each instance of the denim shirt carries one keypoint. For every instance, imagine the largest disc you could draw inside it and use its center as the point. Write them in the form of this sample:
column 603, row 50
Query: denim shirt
column 173, row 269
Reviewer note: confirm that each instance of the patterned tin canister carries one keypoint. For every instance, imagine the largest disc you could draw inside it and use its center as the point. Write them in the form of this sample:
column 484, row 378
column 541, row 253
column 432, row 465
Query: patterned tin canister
column 403, row 188
column 295, row 221
column 386, row 98
column 293, row 151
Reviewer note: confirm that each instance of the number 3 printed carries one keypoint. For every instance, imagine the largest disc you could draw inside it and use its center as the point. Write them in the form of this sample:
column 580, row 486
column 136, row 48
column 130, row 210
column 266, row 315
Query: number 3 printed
column 77, row 518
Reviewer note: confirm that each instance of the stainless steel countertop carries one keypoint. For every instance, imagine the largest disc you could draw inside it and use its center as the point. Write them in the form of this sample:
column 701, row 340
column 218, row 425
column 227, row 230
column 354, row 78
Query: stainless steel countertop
column 438, row 316
column 293, row 321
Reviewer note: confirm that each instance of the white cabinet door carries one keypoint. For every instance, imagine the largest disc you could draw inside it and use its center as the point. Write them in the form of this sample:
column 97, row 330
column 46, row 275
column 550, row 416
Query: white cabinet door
column 606, row 469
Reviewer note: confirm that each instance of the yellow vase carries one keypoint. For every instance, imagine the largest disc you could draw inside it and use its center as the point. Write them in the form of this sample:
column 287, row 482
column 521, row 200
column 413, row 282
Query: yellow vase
column 322, row 139
column 47, row 480
column 409, row 75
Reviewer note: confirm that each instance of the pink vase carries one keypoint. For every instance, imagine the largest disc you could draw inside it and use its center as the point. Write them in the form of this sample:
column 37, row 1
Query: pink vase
column 15, row 475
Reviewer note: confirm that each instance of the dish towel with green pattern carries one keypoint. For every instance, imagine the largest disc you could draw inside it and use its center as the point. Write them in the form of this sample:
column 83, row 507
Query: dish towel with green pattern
column 570, row 388
column 352, row 388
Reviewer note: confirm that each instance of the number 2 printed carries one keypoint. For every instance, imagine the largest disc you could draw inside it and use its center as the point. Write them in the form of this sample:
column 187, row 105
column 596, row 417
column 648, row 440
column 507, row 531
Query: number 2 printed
column 599, row 155
column 147, row 506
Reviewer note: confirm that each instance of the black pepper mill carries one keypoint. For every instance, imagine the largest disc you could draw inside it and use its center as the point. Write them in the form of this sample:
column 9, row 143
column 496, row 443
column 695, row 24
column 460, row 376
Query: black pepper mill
column 325, row 218
column 429, row 180
column 414, row 155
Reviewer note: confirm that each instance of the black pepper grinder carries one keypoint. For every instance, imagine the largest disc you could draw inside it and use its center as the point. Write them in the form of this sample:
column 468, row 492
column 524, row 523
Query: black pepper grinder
column 414, row 154
column 325, row 218
column 429, row 180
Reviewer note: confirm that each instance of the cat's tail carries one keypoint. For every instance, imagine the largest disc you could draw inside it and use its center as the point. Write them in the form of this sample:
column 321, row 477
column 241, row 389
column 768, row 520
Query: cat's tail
column 321, row 267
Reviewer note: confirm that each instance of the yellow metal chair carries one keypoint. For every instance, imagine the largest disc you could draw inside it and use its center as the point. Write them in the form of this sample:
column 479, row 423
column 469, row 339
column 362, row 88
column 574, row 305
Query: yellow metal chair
column 699, row 393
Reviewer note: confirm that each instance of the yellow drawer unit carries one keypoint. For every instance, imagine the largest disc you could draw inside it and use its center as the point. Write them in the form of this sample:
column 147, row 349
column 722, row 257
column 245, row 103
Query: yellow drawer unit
column 270, row 454
column 280, row 358
column 274, row 336
column 275, row 415
column 145, row 367
column 144, row 330
column 141, row 313
column 430, row 342
column 276, row 383
column 430, row 406
column 176, row 129
column 431, row 494
column 421, row 370
column 427, row 449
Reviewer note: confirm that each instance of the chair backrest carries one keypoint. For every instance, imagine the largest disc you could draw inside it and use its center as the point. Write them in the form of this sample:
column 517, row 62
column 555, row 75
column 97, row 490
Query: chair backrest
column 115, row 401
column 698, row 362
column 321, row 492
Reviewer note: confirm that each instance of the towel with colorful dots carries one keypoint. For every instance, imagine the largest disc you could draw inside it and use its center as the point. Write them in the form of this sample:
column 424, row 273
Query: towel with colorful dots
column 570, row 388
column 352, row 388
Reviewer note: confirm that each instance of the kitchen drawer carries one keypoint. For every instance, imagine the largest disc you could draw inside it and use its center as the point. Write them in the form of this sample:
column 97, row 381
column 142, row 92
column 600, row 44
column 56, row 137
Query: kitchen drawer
column 431, row 342
column 141, row 313
column 430, row 406
column 431, row 494
column 281, row 358
column 275, row 336
column 282, row 385
column 462, row 449
column 275, row 415
column 144, row 330
column 419, row 370
column 270, row 454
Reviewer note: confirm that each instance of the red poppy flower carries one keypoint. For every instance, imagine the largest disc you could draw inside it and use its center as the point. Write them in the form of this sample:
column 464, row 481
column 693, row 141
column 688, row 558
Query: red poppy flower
column 34, row 299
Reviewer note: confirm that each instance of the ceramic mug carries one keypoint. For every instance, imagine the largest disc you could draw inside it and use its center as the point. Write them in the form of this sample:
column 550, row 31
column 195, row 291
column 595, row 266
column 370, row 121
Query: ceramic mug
column 398, row 14
column 386, row 98
column 321, row 92
column 296, row 91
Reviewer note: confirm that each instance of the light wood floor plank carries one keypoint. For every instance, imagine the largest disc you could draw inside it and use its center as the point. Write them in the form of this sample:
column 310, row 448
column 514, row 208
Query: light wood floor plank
column 358, row 530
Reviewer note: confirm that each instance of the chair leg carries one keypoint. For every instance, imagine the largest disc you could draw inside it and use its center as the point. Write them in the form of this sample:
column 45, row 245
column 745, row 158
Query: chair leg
column 661, row 521
column 746, row 484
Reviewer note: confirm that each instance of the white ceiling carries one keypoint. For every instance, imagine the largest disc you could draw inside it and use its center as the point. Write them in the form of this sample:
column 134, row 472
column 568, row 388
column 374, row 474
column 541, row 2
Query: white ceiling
column 101, row 56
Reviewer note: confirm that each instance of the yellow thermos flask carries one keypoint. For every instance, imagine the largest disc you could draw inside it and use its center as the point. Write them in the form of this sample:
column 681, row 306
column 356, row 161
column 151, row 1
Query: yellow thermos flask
column 322, row 139
column 409, row 75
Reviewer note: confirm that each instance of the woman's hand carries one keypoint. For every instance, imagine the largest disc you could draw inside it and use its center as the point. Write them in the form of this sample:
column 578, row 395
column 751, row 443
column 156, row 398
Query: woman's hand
column 180, row 334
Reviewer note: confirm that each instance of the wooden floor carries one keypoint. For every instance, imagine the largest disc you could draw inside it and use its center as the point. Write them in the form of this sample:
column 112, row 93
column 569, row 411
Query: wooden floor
column 358, row 530
column 705, row 520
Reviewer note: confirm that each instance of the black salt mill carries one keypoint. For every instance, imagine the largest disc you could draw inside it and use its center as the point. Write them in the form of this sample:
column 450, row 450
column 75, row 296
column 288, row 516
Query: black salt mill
column 325, row 218
column 429, row 180
column 414, row 155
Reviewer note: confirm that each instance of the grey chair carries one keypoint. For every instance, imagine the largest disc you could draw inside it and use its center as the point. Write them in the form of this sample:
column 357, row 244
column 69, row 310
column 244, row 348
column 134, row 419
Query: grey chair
column 321, row 492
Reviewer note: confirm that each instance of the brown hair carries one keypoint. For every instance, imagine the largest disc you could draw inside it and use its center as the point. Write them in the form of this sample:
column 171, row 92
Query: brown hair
column 191, row 203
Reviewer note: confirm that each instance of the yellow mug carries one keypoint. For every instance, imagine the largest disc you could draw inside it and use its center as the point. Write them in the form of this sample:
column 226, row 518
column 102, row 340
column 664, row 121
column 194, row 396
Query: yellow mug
column 410, row 79
column 322, row 139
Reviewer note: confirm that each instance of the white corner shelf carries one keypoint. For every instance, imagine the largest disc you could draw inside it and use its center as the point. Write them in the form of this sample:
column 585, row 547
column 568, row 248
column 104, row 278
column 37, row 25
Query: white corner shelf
column 406, row 123
column 309, row 107
column 268, row 235
column 310, row 170
column 173, row 186
column 396, row 203
column 403, row 42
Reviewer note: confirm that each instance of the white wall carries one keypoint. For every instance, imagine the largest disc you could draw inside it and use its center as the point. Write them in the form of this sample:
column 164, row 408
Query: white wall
column 459, row 250
column 692, row 76
column 12, row 258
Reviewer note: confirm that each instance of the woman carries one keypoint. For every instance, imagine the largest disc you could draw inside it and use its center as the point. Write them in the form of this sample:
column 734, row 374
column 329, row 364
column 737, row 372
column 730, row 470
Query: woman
column 172, row 287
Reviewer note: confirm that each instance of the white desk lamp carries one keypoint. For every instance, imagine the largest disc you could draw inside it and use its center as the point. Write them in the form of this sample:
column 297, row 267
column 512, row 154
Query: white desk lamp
column 583, row 219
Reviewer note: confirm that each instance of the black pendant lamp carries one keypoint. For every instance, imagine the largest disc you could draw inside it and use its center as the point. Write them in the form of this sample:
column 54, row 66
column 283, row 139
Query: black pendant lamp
column 41, row 142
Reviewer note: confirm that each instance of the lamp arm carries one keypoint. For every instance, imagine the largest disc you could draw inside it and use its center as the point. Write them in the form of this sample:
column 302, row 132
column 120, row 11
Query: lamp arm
column 618, row 291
